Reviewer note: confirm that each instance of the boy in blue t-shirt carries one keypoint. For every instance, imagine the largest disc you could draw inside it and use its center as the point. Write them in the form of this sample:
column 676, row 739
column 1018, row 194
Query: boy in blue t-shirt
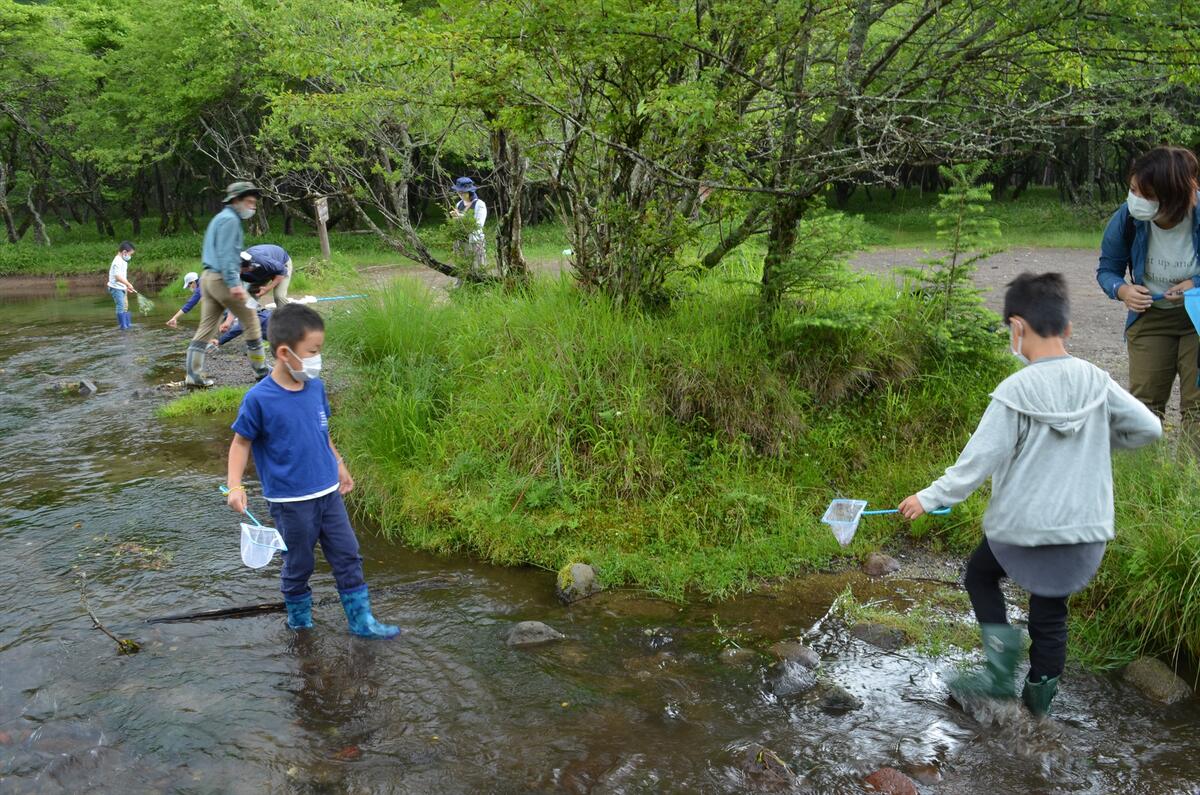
column 284, row 421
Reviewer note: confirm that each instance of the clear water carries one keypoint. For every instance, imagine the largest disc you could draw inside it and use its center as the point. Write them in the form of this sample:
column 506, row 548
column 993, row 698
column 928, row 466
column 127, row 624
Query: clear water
column 635, row 700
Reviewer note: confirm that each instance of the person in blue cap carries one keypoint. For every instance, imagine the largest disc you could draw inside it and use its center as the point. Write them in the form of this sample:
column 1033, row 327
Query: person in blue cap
column 119, row 286
column 191, row 280
column 470, row 203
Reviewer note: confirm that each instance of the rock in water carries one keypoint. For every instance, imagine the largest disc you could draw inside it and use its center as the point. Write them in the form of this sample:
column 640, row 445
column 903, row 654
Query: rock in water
column 576, row 581
column 766, row 769
column 532, row 633
column 891, row 781
column 797, row 652
column 835, row 698
column 86, row 387
column 1156, row 680
column 879, row 636
column 791, row 679
column 879, row 564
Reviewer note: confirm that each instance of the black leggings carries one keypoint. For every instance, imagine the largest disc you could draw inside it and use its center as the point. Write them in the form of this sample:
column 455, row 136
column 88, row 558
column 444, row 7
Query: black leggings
column 1047, row 614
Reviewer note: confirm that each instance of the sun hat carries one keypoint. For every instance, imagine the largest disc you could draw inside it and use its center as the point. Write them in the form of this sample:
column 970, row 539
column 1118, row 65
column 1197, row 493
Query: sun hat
column 464, row 185
column 189, row 277
column 246, row 257
column 237, row 190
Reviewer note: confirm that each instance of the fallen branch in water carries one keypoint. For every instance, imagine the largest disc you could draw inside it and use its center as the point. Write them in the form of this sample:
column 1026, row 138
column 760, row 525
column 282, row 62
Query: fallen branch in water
column 124, row 645
column 440, row 581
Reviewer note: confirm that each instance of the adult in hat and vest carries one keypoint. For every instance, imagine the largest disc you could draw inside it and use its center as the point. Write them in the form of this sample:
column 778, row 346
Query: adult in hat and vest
column 469, row 202
column 221, row 285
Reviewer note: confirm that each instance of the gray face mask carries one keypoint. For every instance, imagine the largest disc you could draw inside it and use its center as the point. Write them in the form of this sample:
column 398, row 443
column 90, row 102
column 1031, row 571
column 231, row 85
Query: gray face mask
column 245, row 213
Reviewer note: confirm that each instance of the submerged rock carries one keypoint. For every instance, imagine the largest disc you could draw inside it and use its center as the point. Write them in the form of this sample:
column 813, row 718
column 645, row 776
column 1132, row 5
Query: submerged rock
column 789, row 679
column 835, row 698
column 879, row 564
column 576, row 581
column 765, row 768
column 795, row 651
column 1156, row 680
column 532, row 633
column 83, row 387
column 891, row 781
column 738, row 656
column 927, row 773
column 879, row 636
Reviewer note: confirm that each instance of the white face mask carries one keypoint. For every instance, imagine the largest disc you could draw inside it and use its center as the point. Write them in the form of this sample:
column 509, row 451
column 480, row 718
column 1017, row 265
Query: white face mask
column 1022, row 358
column 126, row 257
column 310, row 368
column 1140, row 207
column 245, row 213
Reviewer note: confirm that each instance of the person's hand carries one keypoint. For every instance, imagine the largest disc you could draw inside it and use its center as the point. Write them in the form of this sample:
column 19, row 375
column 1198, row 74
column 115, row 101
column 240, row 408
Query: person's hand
column 236, row 499
column 173, row 323
column 226, row 325
column 1135, row 296
column 1177, row 290
column 238, row 292
column 345, row 482
column 911, row 508
column 132, row 290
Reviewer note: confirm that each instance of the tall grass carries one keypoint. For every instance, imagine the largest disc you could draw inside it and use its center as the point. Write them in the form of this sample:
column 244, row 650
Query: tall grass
column 684, row 450
column 219, row 400
column 1146, row 598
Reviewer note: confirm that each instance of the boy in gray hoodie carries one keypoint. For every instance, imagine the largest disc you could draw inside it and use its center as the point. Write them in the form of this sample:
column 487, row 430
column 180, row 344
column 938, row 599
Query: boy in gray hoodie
column 1045, row 440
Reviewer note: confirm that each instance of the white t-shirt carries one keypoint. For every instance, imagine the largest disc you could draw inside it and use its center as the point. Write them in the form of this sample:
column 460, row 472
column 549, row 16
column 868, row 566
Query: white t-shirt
column 480, row 211
column 1170, row 258
column 119, row 268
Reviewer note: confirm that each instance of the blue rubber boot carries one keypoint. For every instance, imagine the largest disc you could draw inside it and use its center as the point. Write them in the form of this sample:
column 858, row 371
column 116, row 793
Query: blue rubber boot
column 126, row 320
column 299, row 610
column 357, row 605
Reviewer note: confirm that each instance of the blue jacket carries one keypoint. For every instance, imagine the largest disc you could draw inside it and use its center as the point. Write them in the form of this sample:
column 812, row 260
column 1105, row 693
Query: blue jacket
column 193, row 299
column 272, row 258
column 222, row 250
column 1123, row 250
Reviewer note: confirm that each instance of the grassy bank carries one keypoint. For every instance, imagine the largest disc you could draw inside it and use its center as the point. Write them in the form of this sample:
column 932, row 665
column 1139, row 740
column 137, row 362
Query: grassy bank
column 1038, row 218
column 687, row 450
column 219, row 400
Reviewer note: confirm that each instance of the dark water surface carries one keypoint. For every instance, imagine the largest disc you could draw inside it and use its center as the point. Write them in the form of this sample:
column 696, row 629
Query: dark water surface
column 635, row 700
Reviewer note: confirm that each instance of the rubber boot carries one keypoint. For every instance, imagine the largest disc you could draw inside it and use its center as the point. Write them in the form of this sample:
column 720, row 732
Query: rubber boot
column 1002, row 647
column 195, row 366
column 299, row 610
column 258, row 358
column 357, row 605
column 1037, row 696
column 126, row 320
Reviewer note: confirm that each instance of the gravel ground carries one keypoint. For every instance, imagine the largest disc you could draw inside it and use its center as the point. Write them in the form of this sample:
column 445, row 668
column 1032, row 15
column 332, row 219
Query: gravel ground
column 1098, row 322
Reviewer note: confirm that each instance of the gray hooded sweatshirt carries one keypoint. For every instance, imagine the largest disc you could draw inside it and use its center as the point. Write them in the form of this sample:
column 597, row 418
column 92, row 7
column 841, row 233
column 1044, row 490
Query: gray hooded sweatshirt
column 1046, row 441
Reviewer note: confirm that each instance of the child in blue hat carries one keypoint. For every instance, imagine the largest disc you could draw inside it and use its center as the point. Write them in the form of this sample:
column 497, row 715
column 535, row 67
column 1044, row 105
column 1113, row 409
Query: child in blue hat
column 469, row 202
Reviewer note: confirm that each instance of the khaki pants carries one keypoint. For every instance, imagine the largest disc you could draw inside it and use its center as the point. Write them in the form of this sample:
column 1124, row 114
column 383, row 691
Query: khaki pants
column 278, row 293
column 214, row 299
column 1163, row 344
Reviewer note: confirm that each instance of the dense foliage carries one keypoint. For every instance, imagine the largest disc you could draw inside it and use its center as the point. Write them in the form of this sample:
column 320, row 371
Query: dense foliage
column 663, row 133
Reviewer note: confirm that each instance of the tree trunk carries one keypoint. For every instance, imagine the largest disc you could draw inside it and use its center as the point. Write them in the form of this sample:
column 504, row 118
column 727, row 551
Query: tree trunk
column 10, row 227
column 39, row 226
column 164, row 210
column 509, row 180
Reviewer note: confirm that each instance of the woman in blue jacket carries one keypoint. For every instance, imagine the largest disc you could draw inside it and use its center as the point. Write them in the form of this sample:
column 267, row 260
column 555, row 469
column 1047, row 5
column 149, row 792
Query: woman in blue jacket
column 1149, row 257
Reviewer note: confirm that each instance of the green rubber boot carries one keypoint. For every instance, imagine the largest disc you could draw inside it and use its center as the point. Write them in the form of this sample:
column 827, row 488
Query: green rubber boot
column 1002, row 647
column 1037, row 696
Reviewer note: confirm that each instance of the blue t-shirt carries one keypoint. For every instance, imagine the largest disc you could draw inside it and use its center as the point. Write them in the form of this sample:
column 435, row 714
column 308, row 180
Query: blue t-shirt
column 289, row 436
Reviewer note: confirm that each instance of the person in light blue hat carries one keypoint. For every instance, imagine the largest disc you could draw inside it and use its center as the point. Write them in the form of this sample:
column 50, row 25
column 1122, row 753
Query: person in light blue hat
column 469, row 202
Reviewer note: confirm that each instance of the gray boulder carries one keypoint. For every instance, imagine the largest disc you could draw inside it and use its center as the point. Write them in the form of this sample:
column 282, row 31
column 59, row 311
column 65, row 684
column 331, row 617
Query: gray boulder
column 795, row 651
column 835, row 698
column 576, row 581
column 879, row 636
column 532, row 633
column 878, row 564
column 1156, row 680
column 788, row 679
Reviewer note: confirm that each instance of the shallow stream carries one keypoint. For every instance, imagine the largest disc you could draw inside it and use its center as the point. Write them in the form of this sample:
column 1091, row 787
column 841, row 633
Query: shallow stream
column 636, row 699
